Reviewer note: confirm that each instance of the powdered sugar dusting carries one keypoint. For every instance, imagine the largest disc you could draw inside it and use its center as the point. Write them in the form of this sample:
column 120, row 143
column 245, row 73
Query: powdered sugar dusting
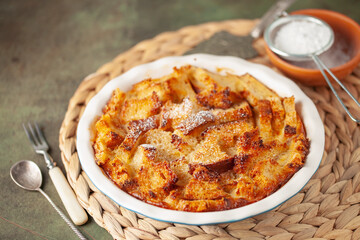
column 137, row 127
column 148, row 146
column 177, row 111
column 181, row 110
column 195, row 120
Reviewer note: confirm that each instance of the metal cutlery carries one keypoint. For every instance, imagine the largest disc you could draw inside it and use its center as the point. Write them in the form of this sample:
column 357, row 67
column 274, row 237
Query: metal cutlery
column 27, row 175
column 38, row 141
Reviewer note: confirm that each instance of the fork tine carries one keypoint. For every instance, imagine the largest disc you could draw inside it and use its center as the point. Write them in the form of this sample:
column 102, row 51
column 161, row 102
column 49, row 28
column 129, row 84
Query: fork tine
column 34, row 135
column 40, row 134
column 29, row 135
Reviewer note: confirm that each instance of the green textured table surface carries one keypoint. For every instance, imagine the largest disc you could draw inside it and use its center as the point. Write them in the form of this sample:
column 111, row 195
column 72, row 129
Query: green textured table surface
column 48, row 47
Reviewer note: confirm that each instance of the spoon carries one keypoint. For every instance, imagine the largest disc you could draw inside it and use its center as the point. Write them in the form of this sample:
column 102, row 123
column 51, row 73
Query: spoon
column 27, row 175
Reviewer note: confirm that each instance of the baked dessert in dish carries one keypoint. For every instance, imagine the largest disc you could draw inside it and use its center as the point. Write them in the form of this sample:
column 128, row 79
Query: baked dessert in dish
column 199, row 141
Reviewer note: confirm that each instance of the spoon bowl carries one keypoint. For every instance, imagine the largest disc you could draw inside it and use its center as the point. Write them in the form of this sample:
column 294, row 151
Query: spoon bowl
column 27, row 175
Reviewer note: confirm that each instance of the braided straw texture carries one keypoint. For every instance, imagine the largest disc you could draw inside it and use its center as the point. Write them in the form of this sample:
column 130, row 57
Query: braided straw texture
column 327, row 208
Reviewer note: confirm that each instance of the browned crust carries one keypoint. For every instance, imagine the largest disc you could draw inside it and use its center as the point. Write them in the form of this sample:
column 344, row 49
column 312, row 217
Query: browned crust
column 188, row 142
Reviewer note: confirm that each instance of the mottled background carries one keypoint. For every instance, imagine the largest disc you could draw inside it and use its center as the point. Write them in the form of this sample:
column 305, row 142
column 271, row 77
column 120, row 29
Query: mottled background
column 48, row 47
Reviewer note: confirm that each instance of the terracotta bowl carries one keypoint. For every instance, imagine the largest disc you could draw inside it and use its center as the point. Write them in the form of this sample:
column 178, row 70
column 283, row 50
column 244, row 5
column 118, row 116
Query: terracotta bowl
column 342, row 25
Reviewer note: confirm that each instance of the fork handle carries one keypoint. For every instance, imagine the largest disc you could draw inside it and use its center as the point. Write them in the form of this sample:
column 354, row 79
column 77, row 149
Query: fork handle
column 48, row 160
column 75, row 211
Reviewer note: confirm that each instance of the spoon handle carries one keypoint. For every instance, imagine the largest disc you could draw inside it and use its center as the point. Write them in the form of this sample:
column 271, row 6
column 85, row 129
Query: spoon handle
column 68, row 222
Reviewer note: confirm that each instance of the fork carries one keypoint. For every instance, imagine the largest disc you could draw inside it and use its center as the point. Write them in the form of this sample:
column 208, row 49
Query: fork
column 38, row 141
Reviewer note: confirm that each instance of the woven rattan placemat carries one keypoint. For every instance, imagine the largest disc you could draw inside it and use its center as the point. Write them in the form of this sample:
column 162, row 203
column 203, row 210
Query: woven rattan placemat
column 327, row 208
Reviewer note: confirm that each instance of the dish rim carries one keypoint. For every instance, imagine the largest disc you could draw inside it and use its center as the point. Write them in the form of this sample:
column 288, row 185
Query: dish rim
column 309, row 114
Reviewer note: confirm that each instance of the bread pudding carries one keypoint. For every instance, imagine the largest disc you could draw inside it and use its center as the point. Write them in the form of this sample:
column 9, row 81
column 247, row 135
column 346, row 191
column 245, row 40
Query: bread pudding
column 199, row 141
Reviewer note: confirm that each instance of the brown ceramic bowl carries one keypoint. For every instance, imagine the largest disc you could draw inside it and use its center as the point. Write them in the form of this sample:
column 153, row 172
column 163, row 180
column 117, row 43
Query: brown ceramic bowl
column 344, row 27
